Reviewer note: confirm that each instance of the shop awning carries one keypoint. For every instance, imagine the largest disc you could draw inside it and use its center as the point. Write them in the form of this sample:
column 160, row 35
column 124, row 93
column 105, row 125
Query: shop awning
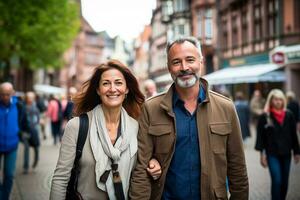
column 48, row 89
column 246, row 74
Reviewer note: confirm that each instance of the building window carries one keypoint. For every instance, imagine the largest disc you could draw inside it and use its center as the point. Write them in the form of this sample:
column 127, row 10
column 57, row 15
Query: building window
column 257, row 21
column 179, row 30
column 272, row 17
column 224, row 35
column 208, row 24
column 199, row 24
column 181, row 5
column 234, row 23
column 205, row 24
column 244, row 18
column 92, row 39
column 297, row 15
column 167, row 10
column 92, row 58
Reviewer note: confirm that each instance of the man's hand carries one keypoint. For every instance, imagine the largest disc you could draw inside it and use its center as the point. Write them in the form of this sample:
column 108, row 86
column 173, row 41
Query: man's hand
column 154, row 169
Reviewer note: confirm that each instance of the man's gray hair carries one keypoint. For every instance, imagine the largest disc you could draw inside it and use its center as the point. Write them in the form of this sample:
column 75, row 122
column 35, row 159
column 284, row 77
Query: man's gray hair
column 182, row 39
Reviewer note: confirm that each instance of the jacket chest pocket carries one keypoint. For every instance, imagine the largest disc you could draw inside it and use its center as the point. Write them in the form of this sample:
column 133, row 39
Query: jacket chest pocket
column 162, row 138
column 219, row 135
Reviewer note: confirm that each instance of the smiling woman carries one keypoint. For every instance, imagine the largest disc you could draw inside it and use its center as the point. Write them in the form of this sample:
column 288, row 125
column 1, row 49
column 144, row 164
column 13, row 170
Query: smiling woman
column 112, row 101
column 118, row 17
column 112, row 89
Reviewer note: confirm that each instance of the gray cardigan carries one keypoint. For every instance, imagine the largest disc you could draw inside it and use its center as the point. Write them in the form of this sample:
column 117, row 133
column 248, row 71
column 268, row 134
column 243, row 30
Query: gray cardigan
column 86, row 184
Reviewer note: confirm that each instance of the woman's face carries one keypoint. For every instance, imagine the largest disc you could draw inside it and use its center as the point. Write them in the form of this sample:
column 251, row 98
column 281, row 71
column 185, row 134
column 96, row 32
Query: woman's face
column 112, row 88
column 277, row 103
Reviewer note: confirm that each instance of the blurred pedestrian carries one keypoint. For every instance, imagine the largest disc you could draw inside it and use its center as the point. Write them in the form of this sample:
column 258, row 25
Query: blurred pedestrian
column 12, row 121
column 293, row 106
column 31, row 137
column 243, row 111
column 193, row 132
column 68, row 112
column 257, row 103
column 276, row 140
column 112, row 101
column 42, row 106
column 150, row 88
column 54, row 112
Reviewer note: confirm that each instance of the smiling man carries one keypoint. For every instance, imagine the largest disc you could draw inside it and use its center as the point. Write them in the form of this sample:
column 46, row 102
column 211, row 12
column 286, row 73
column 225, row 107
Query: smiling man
column 193, row 132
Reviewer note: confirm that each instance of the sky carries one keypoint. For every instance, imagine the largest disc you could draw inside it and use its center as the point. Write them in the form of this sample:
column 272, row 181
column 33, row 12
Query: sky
column 125, row 18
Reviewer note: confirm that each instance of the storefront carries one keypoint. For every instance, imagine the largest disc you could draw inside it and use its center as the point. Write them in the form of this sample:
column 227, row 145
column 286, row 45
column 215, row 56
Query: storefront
column 289, row 58
column 247, row 74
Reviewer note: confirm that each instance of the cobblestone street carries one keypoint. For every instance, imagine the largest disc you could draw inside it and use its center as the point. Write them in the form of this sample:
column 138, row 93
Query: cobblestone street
column 36, row 184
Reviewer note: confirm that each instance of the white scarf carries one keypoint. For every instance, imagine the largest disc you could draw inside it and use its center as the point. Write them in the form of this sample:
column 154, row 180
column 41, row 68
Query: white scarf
column 103, row 150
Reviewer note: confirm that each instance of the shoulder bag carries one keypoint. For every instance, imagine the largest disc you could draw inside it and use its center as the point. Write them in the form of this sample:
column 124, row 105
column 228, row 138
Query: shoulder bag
column 72, row 193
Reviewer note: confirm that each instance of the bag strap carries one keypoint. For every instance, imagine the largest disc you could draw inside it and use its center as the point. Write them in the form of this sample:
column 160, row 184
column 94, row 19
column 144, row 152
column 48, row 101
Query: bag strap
column 82, row 134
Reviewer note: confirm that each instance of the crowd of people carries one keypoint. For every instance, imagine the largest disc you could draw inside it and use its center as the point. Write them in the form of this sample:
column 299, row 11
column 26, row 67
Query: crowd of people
column 184, row 143
column 23, row 119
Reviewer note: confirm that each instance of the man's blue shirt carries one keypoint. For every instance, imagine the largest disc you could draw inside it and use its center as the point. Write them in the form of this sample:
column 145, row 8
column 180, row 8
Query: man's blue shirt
column 183, row 176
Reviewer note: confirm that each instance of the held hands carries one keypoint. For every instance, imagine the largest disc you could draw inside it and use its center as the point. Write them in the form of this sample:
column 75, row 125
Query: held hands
column 154, row 169
column 263, row 160
column 296, row 159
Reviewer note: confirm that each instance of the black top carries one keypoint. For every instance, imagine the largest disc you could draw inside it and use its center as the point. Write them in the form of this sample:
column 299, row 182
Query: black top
column 293, row 106
column 277, row 139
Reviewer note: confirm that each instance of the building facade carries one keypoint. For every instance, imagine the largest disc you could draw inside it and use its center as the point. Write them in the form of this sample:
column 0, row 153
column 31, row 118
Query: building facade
column 250, row 31
column 141, row 54
column 81, row 59
column 204, row 27
column 173, row 18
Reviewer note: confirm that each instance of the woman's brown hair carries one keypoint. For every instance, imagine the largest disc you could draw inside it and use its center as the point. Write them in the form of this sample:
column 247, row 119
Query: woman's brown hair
column 88, row 98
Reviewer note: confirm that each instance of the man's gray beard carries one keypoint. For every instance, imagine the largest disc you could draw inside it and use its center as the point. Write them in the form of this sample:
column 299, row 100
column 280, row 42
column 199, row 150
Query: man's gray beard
column 187, row 83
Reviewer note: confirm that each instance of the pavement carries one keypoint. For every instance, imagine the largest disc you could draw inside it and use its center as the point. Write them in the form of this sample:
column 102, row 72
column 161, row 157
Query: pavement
column 36, row 184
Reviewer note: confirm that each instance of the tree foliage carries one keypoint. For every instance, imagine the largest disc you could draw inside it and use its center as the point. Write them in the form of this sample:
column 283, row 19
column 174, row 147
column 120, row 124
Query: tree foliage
column 37, row 31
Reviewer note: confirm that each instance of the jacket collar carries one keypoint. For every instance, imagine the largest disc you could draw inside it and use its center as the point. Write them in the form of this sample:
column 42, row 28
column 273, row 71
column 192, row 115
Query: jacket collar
column 166, row 102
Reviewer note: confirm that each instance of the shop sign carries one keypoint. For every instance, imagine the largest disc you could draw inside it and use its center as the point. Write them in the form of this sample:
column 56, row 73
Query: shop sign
column 278, row 58
column 293, row 56
column 285, row 55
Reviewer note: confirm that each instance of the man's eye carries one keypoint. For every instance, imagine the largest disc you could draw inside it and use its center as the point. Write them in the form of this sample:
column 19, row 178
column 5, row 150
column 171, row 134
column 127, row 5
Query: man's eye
column 176, row 63
column 191, row 60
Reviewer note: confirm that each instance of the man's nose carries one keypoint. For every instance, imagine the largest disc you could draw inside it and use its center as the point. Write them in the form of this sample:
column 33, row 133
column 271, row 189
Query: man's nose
column 184, row 66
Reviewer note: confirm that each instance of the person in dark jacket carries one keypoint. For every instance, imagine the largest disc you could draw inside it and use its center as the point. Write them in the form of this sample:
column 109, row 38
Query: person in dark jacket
column 31, row 138
column 42, row 106
column 11, row 122
column 68, row 112
column 243, row 111
column 294, row 107
column 276, row 140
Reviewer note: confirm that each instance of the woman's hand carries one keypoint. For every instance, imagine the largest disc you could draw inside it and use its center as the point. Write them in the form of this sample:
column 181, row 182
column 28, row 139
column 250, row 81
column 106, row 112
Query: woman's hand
column 154, row 169
column 263, row 160
column 296, row 159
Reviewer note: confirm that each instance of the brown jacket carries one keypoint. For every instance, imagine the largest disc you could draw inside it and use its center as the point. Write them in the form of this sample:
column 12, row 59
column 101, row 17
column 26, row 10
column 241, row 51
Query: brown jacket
column 220, row 144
